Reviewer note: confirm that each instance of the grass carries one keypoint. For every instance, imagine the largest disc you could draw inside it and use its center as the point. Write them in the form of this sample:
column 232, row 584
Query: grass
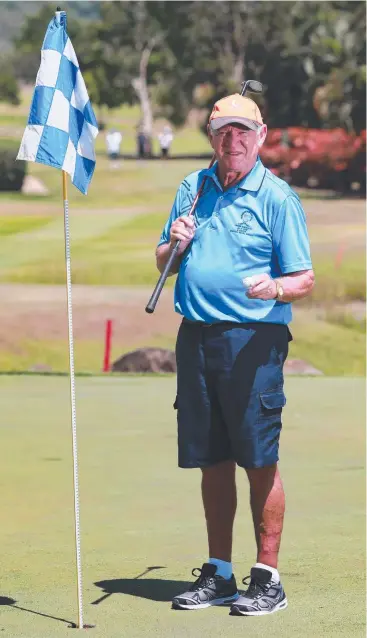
column 11, row 120
column 345, row 283
column 138, row 511
column 14, row 225
column 335, row 349
column 149, row 188
column 124, row 255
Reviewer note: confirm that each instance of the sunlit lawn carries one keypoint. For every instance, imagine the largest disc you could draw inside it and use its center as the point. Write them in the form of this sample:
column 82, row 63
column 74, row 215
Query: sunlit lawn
column 138, row 511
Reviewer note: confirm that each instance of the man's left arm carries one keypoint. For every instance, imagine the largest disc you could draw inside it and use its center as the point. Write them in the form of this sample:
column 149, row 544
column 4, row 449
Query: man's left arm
column 292, row 249
column 295, row 286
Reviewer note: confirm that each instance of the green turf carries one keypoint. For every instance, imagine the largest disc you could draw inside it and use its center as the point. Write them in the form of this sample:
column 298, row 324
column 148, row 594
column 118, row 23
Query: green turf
column 15, row 225
column 138, row 510
column 334, row 348
column 109, row 248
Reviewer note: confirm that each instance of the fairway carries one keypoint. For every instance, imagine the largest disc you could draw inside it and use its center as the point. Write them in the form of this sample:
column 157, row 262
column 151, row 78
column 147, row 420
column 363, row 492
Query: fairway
column 139, row 511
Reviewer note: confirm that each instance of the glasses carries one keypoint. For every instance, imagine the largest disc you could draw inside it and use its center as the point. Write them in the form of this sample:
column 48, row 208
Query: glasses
column 233, row 130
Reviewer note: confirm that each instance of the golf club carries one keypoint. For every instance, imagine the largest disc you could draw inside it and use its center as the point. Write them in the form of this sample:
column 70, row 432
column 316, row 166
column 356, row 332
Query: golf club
column 252, row 86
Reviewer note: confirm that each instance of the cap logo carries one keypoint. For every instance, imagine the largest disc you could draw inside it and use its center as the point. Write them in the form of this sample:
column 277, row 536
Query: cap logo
column 234, row 103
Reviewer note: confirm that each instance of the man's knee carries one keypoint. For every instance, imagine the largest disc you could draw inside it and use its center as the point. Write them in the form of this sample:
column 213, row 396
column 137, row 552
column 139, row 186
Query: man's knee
column 260, row 477
column 224, row 469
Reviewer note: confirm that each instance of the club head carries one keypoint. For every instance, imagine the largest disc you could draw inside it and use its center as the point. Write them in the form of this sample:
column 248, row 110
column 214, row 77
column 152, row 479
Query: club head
column 251, row 86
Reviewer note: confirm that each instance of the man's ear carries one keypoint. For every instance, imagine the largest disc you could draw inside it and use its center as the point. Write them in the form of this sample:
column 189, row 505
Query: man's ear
column 261, row 135
column 210, row 135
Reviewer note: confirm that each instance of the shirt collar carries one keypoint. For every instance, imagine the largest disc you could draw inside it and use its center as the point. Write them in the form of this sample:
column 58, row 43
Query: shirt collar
column 251, row 182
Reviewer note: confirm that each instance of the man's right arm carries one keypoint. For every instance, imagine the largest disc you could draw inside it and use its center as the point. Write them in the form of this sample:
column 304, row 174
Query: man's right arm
column 182, row 230
column 162, row 253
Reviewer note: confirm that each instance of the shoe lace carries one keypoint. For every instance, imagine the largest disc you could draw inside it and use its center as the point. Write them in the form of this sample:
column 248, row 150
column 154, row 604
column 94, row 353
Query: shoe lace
column 254, row 588
column 202, row 581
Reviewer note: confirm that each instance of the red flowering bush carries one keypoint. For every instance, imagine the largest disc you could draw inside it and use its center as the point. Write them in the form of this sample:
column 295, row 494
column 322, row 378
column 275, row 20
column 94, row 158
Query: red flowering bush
column 318, row 158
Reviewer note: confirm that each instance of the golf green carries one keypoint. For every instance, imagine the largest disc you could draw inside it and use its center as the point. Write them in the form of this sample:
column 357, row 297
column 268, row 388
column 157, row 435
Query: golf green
column 142, row 527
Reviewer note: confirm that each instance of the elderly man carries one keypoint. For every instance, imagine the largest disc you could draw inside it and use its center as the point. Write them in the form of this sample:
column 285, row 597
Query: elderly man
column 244, row 258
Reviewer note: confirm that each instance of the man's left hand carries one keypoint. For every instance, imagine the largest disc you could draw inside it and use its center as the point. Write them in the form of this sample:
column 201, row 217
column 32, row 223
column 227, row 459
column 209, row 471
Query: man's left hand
column 262, row 287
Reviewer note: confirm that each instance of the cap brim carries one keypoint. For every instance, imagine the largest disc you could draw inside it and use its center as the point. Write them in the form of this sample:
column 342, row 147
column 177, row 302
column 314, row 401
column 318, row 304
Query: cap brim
column 218, row 122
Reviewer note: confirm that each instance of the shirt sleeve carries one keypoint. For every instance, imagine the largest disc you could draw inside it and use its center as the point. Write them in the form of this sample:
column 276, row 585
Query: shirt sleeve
column 181, row 206
column 290, row 237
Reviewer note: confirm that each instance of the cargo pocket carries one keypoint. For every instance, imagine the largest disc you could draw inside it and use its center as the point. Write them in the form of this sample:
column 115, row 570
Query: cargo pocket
column 271, row 403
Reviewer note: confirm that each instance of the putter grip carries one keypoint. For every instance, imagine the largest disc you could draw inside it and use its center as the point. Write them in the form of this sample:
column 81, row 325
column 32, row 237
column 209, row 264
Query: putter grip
column 162, row 280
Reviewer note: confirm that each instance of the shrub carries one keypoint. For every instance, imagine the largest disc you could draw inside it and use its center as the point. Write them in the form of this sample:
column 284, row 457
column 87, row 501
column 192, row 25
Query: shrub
column 312, row 157
column 12, row 173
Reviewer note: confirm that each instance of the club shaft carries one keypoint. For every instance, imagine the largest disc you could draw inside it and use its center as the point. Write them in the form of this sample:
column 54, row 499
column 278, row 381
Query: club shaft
column 173, row 255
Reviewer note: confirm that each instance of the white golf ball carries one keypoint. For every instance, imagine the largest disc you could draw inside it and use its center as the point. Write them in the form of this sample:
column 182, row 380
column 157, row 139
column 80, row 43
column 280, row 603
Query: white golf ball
column 248, row 281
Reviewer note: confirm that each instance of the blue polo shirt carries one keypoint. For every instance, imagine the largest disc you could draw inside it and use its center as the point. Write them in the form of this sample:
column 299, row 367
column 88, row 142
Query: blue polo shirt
column 257, row 226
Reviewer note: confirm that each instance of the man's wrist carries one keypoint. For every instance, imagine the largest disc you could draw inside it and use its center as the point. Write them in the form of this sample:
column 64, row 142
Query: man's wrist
column 279, row 290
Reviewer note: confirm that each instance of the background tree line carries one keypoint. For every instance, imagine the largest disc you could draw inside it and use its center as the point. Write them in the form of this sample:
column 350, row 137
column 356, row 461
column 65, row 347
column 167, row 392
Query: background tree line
column 171, row 57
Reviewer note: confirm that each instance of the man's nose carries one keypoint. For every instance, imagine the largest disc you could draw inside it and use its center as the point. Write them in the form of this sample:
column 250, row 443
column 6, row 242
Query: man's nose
column 230, row 136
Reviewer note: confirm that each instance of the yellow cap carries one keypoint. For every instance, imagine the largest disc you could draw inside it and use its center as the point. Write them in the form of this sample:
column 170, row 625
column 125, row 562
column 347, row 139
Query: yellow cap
column 235, row 109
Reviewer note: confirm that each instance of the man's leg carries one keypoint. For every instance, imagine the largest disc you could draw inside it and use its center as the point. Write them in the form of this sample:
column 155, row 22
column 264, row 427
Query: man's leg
column 265, row 593
column 220, row 501
column 203, row 441
column 219, row 494
column 268, row 506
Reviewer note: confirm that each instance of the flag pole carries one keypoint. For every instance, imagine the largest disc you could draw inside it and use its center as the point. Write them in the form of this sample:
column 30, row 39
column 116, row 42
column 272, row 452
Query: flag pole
column 72, row 398
column 74, row 154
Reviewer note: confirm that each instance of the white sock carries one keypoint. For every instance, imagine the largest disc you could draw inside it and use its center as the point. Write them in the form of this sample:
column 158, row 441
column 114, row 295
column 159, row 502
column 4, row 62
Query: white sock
column 275, row 573
column 224, row 569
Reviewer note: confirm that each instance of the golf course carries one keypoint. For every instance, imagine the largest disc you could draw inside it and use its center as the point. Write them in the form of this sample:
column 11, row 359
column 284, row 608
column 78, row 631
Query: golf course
column 142, row 526
column 141, row 520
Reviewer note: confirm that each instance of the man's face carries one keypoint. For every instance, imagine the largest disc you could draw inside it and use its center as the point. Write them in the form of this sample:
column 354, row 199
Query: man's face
column 236, row 146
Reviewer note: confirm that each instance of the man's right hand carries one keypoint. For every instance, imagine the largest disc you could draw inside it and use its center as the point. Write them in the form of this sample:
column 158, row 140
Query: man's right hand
column 183, row 230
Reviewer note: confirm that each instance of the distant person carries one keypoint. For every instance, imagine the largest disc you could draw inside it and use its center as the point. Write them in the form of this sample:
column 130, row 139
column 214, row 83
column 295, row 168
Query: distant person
column 243, row 259
column 113, row 142
column 165, row 139
column 141, row 143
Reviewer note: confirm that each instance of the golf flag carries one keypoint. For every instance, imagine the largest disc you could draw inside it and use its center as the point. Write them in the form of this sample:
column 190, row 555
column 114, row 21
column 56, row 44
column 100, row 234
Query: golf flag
column 61, row 126
column 60, row 132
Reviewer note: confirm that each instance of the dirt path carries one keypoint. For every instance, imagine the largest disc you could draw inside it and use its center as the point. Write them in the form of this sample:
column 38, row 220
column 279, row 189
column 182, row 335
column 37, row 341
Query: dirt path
column 39, row 312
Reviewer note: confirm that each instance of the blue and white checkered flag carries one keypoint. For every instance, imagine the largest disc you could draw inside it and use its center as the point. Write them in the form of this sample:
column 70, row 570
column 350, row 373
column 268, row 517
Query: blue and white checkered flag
column 61, row 125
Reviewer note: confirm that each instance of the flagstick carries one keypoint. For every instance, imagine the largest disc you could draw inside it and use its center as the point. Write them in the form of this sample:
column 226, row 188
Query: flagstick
column 72, row 395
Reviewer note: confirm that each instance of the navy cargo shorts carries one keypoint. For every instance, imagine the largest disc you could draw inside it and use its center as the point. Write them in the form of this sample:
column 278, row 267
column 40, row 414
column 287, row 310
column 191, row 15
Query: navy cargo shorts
column 230, row 392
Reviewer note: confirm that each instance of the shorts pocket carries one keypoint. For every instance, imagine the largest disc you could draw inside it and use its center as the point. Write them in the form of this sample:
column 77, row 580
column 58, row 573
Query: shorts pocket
column 272, row 402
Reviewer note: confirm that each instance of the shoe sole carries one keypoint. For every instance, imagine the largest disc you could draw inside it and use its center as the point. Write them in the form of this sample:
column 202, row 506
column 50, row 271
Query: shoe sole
column 236, row 611
column 212, row 603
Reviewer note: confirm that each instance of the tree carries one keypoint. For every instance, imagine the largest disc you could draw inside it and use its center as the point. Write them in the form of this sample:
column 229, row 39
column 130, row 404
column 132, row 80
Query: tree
column 172, row 56
column 27, row 45
column 339, row 64
column 8, row 87
column 117, row 52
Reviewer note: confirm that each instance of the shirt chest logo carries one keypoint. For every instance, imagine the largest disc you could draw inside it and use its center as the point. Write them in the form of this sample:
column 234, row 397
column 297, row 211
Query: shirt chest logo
column 245, row 224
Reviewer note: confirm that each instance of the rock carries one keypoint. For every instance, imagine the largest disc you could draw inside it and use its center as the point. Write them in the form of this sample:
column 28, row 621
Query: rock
column 33, row 186
column 297, row 366
column 162, row 360
column 146, row 360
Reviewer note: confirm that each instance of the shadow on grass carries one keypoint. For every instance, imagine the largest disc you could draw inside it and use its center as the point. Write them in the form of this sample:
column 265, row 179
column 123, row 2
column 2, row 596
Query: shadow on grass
column 10, row 602
column 151, row 588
